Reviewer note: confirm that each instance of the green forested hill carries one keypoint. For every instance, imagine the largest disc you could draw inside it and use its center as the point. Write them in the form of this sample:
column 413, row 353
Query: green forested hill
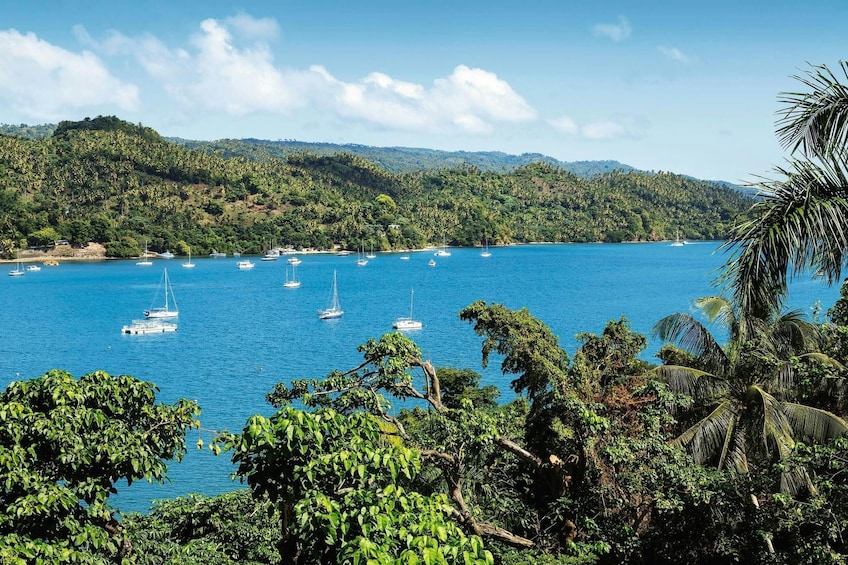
column 393, row 159
column 109, row 181
column 400, row 159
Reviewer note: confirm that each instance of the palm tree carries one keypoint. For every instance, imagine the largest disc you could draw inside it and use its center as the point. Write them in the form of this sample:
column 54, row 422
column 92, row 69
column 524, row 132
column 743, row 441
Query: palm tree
column 801, row 221
column 739, row 412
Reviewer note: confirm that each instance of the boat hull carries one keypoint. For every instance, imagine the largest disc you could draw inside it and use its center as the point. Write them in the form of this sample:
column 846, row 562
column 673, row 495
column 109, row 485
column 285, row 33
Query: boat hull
column 148, row 327
column 330, row 314
column 160, row 314
column 404, row 324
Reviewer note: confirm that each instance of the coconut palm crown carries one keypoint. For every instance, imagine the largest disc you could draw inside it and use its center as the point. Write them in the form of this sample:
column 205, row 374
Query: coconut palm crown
column 800, row 221
column 739, row 415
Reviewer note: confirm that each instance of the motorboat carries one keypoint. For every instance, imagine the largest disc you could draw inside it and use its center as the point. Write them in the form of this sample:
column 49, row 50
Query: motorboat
column 245, row 264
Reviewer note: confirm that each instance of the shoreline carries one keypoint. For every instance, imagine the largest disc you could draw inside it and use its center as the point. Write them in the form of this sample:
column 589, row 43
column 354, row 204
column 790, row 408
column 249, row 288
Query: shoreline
column 97, row 252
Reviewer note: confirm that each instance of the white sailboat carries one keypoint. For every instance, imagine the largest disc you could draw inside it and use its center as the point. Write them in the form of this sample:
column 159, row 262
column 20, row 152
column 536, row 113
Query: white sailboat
column 169, row 310
column 485, row 252
column 188, row 264
column 677, row 242
column 335, row 309
column 409, row 323
column 19, row 270
column 360, row 256
column 443, row 252
column 371, row 254
column 291, row 282
column 144, row 261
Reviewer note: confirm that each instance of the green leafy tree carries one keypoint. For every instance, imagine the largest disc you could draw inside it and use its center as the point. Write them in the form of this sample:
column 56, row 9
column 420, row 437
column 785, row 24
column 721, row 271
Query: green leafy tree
column 740, row 413
column 343, row 492
column 64, row 445
column 232, row 528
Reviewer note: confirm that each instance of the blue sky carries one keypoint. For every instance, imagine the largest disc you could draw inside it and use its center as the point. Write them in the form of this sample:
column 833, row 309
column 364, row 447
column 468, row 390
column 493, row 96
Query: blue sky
column 686, row 87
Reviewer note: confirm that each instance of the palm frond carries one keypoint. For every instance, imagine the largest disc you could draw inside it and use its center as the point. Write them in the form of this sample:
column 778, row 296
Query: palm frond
column 717, row 308
column 700, row 385
column 796, row 480
column 813, row 424
column 729, row 443
column 798, row 223
column 776, row 431
column 816, row 121
column 707, row 437
column 737, row 453
column 784, row 380
column 793, row 334
column 692, row 336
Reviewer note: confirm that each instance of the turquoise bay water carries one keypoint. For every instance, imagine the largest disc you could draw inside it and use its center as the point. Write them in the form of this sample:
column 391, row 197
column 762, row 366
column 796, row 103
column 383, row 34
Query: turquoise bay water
column 240, row 332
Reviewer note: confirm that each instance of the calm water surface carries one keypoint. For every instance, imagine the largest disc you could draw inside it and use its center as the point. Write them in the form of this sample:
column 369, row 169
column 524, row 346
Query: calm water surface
column 240, row 332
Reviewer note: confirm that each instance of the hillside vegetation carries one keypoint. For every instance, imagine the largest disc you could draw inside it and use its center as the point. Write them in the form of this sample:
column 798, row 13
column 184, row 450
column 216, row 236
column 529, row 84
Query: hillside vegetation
column 123, row 185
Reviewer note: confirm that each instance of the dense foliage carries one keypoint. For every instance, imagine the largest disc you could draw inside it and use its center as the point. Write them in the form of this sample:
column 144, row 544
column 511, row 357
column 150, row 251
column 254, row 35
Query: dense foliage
column 122, row 185
column 64, row 445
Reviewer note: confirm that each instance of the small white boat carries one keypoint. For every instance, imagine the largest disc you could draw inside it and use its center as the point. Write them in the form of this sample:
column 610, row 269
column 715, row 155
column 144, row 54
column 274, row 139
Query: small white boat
column 293, row 261
column 33, row 268
column 432, row 262
column 335, row 309
column 18, row 271
column 292, row 282
column 144, row 261
column 245, row 264
column 371, row 254
column 166, row 255
column 271, row 255
column 360, row 257
column 169, row 309
column 409, row 323
column 443, row 252
column 188, row 264
column 149, row 327
column 216, row 254
column 485, row 252
column 404, row 257
column 677, row 242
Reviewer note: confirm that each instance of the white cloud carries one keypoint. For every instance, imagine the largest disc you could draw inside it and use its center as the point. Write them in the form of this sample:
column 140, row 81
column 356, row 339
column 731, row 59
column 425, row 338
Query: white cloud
column 254, row 28
column 45, row 82
column 601, row 130
column 228, row 68
column 469, row 100
column 616, row 32
column 215, row 72
column 675, row 53
column 565, row 125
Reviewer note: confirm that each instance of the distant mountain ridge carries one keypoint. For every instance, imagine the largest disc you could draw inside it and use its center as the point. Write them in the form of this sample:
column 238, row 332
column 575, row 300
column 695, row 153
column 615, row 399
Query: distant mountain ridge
column 403, row 159
column 392, row 159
